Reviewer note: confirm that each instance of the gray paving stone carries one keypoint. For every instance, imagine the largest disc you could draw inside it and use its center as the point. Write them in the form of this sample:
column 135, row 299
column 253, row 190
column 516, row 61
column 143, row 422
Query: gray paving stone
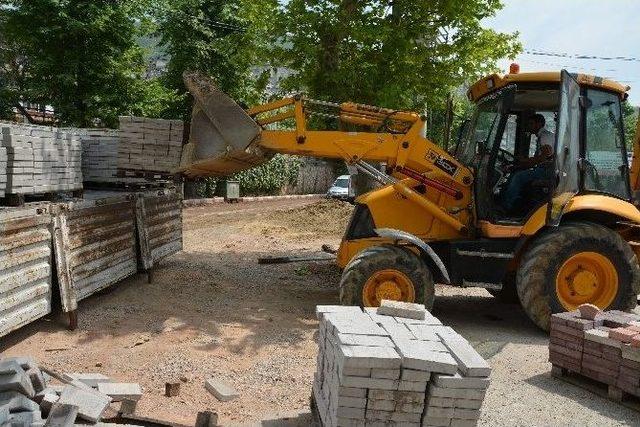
column 398, row 331
column 355, row 372
column 222, row 390
column 418, row 386
column 631, row 353
column 392, row 416
column 602, row 337
column 470, row 362
column 365, row 340
column 401, row 309
column 424, row 333
column 439, row 412
column 381, row 405
column 463, row 423
column 410, row 408
column 456, row 393
column 362, row 382
column 413, row 375
column 352, row 391
column 466, row 414
column 426, row 356
column 459, row 381
column 37, row 379
column 62, row 415
column 344, row 412
column 92, row 379
column 31, row 419
column 348, row 422
column 17, row 402
column 91, row 404
column 323, row 309
column 436, row 421
column 121, row 391
column 25, row 362
column 392, row 374
column 442, row 402
column 468, row 404
column 14, row 378
column 353, row 402
column 368, row 357
column 48, row 400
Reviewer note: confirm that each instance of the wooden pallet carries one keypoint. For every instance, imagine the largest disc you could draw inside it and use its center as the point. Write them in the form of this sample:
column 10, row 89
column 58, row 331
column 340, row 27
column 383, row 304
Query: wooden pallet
column 18, row 200
column 128, row 186
column 136, row 173
column 607, row 391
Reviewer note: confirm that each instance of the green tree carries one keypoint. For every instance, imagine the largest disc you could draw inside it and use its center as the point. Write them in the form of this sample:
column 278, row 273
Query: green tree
column 401, row 54
column 225, row 40
column 81, row 57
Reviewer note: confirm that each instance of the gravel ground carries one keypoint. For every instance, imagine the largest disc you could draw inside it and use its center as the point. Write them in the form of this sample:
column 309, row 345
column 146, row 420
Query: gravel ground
column 213, row 311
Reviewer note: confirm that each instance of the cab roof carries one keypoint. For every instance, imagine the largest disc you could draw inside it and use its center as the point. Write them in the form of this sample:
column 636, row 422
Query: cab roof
column 494, row 82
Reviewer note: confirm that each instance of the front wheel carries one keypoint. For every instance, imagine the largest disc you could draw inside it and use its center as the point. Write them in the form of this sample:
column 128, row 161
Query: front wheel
column 386, row 272
column 574, row 264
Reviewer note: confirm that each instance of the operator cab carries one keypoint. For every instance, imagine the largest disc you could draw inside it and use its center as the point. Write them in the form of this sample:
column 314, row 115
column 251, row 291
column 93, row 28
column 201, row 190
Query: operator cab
column 515, row 174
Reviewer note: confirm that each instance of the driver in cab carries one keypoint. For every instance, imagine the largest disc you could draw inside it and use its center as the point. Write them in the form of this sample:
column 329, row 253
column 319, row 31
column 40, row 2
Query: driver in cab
column 532, row 168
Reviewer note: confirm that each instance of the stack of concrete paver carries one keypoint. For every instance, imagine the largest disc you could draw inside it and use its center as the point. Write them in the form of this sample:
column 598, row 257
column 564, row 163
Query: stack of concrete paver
column 604, row 346
column 152, row 145
column 3, row 170
column 100, row 155
column 396, row 365
column 28, row 396
column 41, row 159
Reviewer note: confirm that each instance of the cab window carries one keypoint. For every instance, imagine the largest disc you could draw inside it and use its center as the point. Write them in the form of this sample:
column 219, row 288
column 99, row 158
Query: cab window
column 605, row 164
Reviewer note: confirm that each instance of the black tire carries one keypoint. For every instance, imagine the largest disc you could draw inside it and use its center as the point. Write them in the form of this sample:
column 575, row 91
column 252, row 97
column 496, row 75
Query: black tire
column 508, row 294
column 383, row 257
column 541, row 263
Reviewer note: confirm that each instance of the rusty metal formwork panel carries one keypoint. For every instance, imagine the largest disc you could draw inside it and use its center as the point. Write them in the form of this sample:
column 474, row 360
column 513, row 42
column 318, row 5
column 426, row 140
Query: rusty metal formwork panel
column 25, row 265
column 95, row 246
column 159, row 217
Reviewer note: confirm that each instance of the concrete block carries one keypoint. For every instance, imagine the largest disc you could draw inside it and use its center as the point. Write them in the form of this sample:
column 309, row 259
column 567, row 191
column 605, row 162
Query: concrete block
column 222, row 390
column 463, row 423
column 624, row 335
column 92, row 379
column 91, row 404
column 413, row 375
column 470, row 362
column 419, row 386
column 425, row 356
column 14, row 378
column 397, row 396
column 402, row 309
column 631, row 353
column 355, row 372
column 121, row 391
column 348, row 422
column 398, row 331
column 323, row 309
column 381, row 405
column 17, row 402
column 62, row 415
column 368, row 357
column 441, row 402
column 32, row 419
column 458, row 381
column 48, row 400
column 468, row 403
column 353, row 402
column 25, row 362
column 354, row 413
column 364, row 340
column 206, row 419
column 423, row 333
column 392, row 374
column 37, row 379
column 438, row 411
column 362, row 382
column 436, row 421
column 352, row 391
column 466, row 414
column 456, row 393
column 410, row 408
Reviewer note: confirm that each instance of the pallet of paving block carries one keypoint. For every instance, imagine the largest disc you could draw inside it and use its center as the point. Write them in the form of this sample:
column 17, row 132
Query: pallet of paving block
column 607, row 391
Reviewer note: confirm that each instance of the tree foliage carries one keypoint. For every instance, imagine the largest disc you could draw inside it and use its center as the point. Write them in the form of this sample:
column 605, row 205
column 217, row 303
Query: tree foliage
column 81, row 57
column 402, row 54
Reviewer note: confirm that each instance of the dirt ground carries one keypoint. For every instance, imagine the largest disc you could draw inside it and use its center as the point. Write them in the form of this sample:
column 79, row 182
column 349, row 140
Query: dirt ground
column 213, row 311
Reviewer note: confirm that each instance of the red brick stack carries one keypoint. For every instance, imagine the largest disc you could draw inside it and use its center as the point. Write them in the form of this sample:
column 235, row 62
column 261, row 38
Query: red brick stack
column 604, row 346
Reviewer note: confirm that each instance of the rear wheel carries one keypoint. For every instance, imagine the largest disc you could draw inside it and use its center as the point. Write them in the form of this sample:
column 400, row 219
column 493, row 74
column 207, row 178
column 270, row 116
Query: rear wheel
column 386, row 272
column 574, row 264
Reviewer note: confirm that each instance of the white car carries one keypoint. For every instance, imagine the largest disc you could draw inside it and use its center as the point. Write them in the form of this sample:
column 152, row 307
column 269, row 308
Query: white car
column 341, row 188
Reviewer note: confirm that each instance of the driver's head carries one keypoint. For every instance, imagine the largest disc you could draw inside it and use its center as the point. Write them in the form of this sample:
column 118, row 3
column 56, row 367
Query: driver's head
column 536, row 122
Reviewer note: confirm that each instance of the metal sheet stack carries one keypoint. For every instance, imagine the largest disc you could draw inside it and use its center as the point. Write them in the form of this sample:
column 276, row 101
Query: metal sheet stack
column 395, row 366
column 100, row 155
column 152, row 145
column 41, row 159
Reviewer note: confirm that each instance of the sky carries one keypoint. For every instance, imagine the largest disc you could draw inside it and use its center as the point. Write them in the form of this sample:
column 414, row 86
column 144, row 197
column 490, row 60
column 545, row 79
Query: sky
column 599, row 28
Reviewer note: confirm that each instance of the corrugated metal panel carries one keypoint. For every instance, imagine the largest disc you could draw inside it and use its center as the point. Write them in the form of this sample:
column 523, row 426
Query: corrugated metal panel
column 95, row 246
column 25, row 266
column 159, row 226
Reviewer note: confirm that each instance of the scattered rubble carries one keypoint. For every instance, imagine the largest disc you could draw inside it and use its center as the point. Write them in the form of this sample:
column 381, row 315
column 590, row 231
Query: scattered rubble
column 384, row 369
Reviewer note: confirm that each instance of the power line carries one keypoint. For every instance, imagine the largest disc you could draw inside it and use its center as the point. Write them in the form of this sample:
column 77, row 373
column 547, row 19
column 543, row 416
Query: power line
column 579, row 56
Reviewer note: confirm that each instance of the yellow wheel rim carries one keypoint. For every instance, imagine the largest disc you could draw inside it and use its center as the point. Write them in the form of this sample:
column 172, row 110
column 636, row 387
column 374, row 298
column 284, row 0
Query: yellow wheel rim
column 387, row 284
column 587, row 277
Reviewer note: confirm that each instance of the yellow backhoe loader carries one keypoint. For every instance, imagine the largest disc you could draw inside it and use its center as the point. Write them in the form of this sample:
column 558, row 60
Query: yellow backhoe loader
column 552, row 227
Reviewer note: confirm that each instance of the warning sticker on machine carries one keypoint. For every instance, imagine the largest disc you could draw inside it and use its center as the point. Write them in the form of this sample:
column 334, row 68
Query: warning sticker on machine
column 442, row 163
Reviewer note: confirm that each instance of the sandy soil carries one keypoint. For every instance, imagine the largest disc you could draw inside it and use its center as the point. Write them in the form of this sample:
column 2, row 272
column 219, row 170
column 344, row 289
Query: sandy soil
column 213, row 311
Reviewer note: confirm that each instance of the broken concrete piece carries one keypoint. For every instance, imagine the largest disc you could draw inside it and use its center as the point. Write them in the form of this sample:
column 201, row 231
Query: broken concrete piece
column 91, row 379
column 16, row 402
column 91, row 404
column 62, row 415
column 401, row 309
column 37, row 379
column 121, row 391
column 14, row 378
column 48, row 400
column 207, row 419
column 220, row 389
column 589, row 311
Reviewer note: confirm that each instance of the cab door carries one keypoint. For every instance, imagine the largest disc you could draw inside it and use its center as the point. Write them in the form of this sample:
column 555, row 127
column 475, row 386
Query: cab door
column 567, row 148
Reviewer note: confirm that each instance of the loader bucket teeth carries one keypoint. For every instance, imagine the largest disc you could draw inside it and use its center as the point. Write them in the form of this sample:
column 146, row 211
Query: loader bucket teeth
column 223, row 136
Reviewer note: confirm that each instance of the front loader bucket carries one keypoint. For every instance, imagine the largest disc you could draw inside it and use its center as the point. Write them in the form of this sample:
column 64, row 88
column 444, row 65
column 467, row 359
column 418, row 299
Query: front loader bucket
column 223, row 136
